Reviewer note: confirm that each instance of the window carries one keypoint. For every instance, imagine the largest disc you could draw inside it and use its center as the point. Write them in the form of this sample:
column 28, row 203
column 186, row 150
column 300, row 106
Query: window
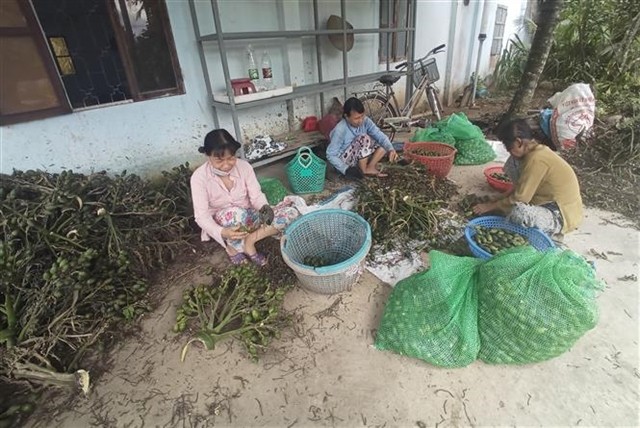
column 144, row 34
column 498, row 30
column 97, row 52
column 30, row 87
column 393, row 14
column 61, row 53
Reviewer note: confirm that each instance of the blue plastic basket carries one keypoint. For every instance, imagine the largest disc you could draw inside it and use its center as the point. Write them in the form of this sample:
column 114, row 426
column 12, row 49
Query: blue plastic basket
column 337, row 235
column 538, row 239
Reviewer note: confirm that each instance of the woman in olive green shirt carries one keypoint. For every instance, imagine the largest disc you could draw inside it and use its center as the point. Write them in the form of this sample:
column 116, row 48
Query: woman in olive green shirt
column 547, row 193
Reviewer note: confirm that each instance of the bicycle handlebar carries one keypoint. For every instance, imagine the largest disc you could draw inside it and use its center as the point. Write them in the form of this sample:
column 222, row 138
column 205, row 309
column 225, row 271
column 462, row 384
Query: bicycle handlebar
column 433, row 51
column 437, row 49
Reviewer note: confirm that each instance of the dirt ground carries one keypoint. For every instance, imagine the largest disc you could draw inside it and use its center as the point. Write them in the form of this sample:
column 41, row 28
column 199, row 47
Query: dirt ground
column 324, row 370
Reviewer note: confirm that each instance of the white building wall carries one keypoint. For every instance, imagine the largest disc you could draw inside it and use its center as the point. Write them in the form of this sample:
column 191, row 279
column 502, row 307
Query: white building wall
column 298, row 54
column 458, row 26
column 146, row 137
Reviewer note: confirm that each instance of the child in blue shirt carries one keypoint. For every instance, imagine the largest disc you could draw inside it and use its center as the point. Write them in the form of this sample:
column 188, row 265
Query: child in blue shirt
column 357, row 144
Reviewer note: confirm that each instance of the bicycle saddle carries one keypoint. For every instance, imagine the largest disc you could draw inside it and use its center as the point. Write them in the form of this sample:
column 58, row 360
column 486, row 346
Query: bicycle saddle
column 389, row 79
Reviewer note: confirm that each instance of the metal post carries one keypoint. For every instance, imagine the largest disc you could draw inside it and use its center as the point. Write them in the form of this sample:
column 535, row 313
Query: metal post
column 225, row 68
column 345, row 66
column 285, row 63
column 316, row 20
column 389, row 35
column 451, row 45
column 412, row 47
column 203, row 62
column 481, row 38
column 472, row 43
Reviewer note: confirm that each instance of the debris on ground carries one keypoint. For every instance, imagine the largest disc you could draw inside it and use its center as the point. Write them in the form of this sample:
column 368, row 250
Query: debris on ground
column 607, row 163
column 276, row 270
column 77, row 253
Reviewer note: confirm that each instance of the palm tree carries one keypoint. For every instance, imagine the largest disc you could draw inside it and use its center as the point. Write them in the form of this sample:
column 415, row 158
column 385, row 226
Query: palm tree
column 549, row 11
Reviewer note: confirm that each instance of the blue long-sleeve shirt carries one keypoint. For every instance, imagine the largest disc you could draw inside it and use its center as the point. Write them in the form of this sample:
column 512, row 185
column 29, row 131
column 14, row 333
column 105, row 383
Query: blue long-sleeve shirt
column 343, row 135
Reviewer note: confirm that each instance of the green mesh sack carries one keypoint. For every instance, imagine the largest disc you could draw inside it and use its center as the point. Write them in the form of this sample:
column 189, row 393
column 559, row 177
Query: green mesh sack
column 460, row 127
column 434, row 134
column 475, row 151
column 273, row 189
column 432, row 315
column 472, row 147
column 534, row 305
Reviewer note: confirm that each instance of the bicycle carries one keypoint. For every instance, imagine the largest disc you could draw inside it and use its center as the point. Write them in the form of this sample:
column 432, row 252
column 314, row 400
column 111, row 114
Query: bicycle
column 381, row 104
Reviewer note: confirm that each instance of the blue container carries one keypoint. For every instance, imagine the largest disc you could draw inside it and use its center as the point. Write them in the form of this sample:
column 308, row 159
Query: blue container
column 340, row 236
column 537, row 238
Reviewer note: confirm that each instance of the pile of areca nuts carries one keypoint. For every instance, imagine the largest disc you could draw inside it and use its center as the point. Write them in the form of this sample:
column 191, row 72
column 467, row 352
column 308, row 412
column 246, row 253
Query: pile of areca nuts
column 77, row 253
column 493, row 240
column 407, row 205
column 77, row 256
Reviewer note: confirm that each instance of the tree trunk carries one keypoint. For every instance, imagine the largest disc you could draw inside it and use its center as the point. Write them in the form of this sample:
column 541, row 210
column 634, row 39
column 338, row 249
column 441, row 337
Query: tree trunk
column 547, row 18
column 629, row 37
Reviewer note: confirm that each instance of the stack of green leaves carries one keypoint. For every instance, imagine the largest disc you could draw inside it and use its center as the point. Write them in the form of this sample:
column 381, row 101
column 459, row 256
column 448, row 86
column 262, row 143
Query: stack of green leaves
column 76, row 252
column 241, row 303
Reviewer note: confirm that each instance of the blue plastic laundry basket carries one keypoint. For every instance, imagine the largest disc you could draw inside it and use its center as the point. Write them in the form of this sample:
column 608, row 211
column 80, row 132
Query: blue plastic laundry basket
column 340, row 236
column 538, row 239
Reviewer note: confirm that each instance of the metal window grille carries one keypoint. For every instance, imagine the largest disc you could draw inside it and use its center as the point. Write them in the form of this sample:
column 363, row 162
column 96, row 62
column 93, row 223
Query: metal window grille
column 393, row 14
column 498, row 30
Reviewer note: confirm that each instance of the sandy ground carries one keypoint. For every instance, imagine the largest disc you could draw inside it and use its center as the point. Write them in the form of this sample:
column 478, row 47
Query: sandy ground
column 324, row 371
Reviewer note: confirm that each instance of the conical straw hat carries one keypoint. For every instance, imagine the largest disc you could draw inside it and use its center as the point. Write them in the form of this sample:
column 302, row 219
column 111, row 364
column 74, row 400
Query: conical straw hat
column 335, row 23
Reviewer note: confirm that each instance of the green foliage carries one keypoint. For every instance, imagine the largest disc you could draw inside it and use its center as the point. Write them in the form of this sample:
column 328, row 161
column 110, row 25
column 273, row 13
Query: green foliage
column 76, row 254
column 511, row 65
column 241, row 302
column 177, row 183
column 597, row 42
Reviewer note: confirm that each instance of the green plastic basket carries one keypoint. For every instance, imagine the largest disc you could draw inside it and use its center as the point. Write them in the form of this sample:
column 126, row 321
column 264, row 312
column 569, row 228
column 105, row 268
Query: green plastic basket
column 306, row 172
column 273, row 189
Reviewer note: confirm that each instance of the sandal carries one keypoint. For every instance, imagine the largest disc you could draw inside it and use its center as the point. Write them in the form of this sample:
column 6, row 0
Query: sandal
column 259, row 259
column 238, row 259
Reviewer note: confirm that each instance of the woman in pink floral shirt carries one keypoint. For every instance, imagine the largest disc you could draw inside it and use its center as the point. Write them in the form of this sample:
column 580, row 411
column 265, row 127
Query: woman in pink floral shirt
column 226, row 200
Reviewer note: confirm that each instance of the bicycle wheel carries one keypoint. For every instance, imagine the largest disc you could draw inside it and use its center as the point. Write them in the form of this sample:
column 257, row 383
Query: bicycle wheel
column 376, row 107
column 434, row 103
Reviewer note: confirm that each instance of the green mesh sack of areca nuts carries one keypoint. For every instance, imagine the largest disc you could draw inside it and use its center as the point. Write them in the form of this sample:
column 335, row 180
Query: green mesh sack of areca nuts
column 433, row 315
column 534, row 305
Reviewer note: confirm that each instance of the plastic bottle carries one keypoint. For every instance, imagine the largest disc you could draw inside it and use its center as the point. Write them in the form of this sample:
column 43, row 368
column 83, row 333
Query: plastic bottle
column 251, row 65
column 267, row 72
